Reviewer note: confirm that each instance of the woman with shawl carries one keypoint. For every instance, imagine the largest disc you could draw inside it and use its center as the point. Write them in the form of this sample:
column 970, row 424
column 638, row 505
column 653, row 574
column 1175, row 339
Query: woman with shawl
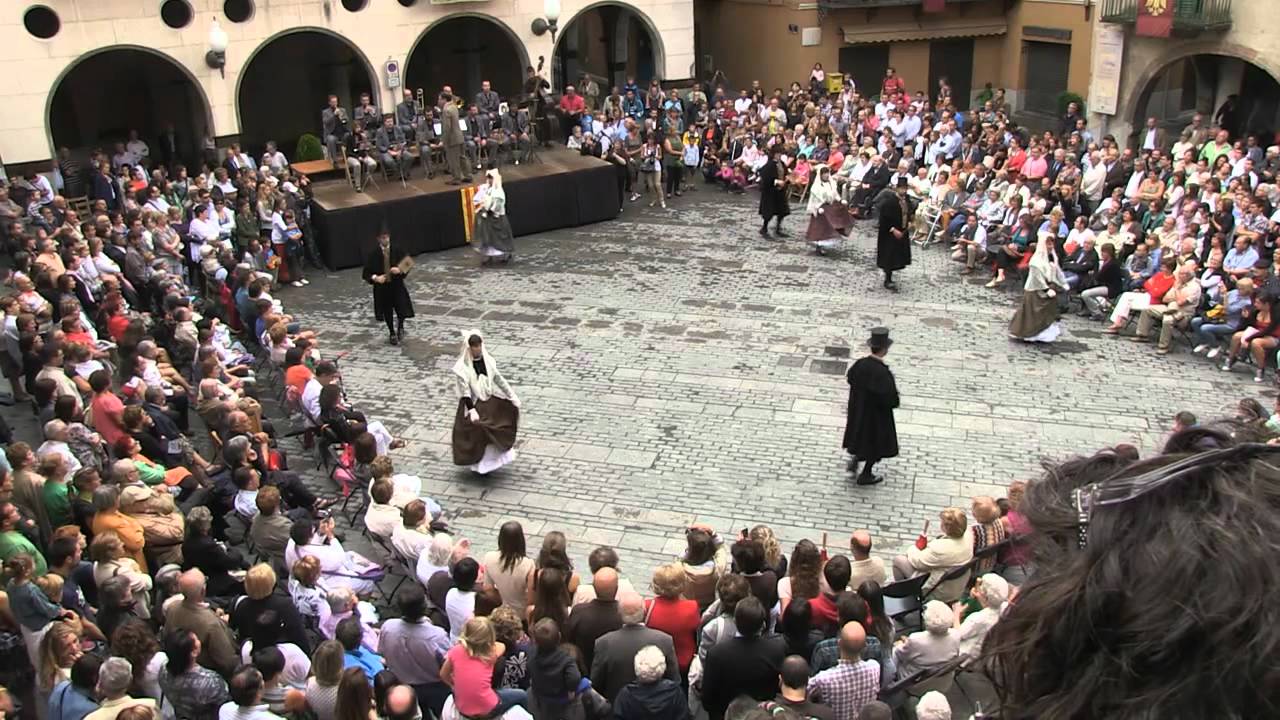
column 484, row 428
column 493, row 230
column 1037, row 317
column 829, row 221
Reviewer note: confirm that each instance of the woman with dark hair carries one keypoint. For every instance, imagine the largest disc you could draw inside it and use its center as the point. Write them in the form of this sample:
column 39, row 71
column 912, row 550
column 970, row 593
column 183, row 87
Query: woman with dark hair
column 136, row 642
column 804, row 575
column 554, row 554
column 507, row 570
column 1259, row 336
column 731, row 590
column 749, row 563
column 879, row 624
column 355, row 696
column 382, row 684
column 194, row 692
column 706, row 559
column 796, row 628
column 1069, row 647
column 345, row 424
column 551, row 599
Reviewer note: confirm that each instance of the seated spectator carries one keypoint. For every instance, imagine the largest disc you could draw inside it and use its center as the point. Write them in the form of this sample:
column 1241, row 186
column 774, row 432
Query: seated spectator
column 933, row 705
column 338, row 566
column 468, row 669
column 939, row 555
column 344, row 604
column 192, row 613
column 246, row 691
column 223, row 568
column 460, row 602
column 932, row 647
column 382, row 518
column 652, row 695
column 851, row 684
column 1213, row 329
column 413, row 648
column 355, row 646
column 270, row 527
column 992, row 591
column 413, row 534
column 987, row 530
column 265, row 618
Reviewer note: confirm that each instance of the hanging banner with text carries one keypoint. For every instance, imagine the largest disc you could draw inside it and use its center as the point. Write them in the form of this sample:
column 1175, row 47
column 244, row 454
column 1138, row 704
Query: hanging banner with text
column 1155, row 18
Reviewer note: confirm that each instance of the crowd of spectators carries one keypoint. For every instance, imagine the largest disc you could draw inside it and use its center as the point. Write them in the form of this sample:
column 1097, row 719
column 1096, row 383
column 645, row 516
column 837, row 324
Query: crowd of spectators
column 217, row 583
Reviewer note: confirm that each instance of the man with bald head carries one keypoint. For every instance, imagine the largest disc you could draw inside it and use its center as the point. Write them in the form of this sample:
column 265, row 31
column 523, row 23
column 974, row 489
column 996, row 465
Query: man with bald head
column 613, row 661
column 590, row 620
column 402, row 704
column 852, row 683
column 863, row 566
column 217, row 645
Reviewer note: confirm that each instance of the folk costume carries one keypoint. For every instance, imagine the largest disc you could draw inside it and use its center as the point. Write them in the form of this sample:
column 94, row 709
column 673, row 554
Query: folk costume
column 893, row 241
column 870, row 434
column 385, row 268
column 493, row 229
column 829, row 220
column 1037, row 317
column 773, row 194
column 488, row 415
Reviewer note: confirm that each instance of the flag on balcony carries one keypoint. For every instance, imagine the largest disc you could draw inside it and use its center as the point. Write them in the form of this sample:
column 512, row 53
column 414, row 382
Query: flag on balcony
column 1155, row 18
column 934, row 6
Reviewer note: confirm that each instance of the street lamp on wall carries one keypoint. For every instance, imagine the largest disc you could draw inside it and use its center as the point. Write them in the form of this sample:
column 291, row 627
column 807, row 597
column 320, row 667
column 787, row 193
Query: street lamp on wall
column 216, row 58
column 551, row 15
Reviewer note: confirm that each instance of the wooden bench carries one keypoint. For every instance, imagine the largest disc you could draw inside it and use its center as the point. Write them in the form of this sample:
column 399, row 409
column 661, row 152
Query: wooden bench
column 315, row 167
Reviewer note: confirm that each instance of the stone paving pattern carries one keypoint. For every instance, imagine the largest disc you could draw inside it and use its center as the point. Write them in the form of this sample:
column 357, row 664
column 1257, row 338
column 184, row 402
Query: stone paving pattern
column 675, row 368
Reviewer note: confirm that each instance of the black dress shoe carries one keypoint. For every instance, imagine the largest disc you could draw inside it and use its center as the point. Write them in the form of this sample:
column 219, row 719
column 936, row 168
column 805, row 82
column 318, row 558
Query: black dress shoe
column 764, row 233
column 852, row 466
column 395, row 339
column 891, row 287
column 780, row 233
column 865, row 479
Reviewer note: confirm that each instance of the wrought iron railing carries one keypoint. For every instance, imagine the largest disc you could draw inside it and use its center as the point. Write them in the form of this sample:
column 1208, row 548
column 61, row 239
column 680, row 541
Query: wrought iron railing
column 1188, row 15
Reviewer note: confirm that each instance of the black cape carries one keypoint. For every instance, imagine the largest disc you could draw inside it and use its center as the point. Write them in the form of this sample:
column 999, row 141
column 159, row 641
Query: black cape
column 773, row 199
column 892, row 253
column 391, row 295
column 870, row 433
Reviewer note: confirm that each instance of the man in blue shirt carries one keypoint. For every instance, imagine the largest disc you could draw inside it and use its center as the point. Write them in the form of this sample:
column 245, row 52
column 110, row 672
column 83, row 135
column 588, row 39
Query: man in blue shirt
column 351, row 634
column 1240, row 259
column 73, row 699
column 1210, row 334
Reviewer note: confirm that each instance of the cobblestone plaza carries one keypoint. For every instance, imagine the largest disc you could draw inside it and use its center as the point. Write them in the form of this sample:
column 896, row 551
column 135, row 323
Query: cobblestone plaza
column 674, row 367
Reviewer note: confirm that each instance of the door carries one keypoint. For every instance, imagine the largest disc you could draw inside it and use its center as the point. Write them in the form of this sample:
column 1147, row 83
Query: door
column 866, row 64
column 953, row 59
column 1045, row 70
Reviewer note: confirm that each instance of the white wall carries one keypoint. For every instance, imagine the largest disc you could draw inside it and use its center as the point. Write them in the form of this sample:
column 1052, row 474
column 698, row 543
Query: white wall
column 383, row 30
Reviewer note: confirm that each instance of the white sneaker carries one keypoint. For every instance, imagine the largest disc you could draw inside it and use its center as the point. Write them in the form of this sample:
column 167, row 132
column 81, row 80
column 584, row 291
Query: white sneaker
column 1213, row 353
column 296, row 283
column 305, row 281
column 1199, row 349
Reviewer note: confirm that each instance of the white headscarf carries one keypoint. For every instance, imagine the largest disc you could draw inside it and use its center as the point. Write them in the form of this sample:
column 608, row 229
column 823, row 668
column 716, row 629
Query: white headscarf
column 1044, row 271
column 481, row 387
column 821, row 191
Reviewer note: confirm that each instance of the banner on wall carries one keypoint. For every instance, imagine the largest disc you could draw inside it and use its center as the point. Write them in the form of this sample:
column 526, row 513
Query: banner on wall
column 1108, row 56
column 1155, row 18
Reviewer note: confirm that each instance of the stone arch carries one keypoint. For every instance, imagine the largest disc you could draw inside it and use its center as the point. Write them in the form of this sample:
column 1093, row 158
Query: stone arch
column 426, row 69
column 282, row 100
column 621, row 56
column 151, row 71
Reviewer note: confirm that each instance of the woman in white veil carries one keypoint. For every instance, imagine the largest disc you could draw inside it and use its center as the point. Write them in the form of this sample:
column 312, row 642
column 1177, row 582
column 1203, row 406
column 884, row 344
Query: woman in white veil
column 488, row 415
column 1037, row 317
column 829, row 221
column 493, row 229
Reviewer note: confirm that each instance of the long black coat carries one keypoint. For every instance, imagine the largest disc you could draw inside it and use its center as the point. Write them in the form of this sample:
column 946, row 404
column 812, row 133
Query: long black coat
column 773, row 199
column 870, row 433
column 892, row 253
column 391, row 295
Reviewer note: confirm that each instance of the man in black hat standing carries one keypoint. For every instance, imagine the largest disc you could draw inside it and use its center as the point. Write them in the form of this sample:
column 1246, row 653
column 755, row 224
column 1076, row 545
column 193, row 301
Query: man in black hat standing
column 893, row 242
column 870, row 434
column 385, row 268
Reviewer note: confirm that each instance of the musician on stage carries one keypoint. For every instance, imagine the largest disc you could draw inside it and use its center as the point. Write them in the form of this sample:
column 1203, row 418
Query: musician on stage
column 391, row 143
column 385, row 268
column 407, row 113
column 515, row 132
column 487, row 101
column 368, row 112
column 359, row 160
column 454, row 142
column 333, row 122
column 428, row 140
column 479, row 128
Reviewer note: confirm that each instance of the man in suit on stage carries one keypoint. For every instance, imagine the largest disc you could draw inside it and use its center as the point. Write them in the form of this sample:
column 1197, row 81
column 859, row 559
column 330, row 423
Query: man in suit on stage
column 331, row 120
column 454, row 141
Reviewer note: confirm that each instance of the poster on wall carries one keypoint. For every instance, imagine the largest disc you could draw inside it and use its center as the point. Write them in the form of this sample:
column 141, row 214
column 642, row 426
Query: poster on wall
column 1108, row 54
column 1155, row 18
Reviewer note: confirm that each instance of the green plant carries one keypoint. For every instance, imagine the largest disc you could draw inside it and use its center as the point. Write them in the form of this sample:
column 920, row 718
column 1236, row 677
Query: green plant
column 309, row 148
column 1069, row 97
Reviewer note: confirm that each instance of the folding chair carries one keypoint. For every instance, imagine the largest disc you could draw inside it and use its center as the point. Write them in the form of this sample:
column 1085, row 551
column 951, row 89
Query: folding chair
column 395, row 563
column 955, row 573
column 931, row 214
column 902, row 598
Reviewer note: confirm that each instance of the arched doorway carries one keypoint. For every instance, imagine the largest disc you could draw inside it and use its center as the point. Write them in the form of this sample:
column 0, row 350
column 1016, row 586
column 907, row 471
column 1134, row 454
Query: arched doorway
column 104, row 95
column 287, row 81
column 1202, row 84
column 612, row 42
column 462, row 51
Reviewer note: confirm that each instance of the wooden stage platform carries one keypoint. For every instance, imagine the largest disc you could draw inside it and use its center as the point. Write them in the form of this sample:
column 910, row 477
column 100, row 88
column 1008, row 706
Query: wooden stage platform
column 563, row 189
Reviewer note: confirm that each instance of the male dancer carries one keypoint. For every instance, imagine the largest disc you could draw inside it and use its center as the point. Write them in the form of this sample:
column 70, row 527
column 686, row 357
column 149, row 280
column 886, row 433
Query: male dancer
column 870, row 434
column 385, row 267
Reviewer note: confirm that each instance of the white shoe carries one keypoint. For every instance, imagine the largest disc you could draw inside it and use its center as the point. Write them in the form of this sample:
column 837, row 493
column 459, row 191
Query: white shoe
column 305, row 281
column 296, row 283
column 1199, row 349
column 1213, row 353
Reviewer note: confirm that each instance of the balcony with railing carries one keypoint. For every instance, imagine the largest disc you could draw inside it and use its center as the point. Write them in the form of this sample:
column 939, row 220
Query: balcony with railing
column 1189, row 16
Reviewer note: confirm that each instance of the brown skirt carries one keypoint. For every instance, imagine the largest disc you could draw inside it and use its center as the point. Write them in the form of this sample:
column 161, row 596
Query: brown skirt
column 833, row 221
column 497, row 426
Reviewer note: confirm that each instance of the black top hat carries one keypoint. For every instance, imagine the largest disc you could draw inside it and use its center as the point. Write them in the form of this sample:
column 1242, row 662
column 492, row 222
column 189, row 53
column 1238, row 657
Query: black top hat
column 902, row 182
column 879, row 338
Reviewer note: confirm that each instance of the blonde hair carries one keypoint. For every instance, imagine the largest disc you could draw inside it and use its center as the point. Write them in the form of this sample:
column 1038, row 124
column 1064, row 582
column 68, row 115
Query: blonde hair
column 260, row 581
column 669, row 581
column 477, row 637
column 954, row 522
column 51, row 586
column 772, row 548
column 985, row 509
column 307, row 570
column 50, row 647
